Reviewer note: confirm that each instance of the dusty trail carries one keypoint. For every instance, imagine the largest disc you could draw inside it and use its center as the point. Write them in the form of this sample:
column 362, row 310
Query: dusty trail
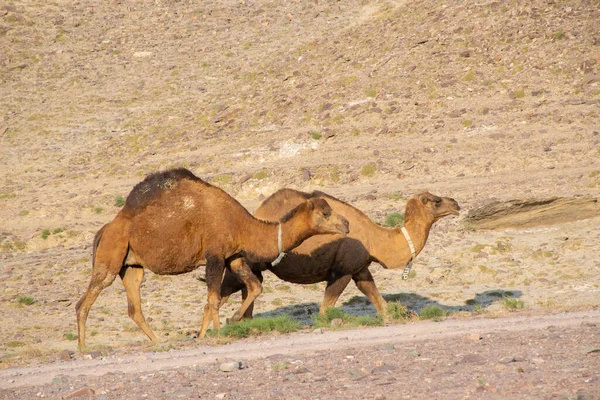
column 306, row 344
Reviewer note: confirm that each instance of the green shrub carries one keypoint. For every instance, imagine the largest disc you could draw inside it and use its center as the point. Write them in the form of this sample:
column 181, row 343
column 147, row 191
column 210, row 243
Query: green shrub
column 432, row 312
column 394, row 219
column 510, row 303
column 45, row 233
column 256, row 326
column 396, row 311
column 70, row 336
column 26, row 300
column 368, row 170
column 119, row 201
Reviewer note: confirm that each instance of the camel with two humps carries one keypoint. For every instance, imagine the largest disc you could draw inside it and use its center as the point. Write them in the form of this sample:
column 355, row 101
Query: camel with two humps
column 335, row 259
column 173, row 222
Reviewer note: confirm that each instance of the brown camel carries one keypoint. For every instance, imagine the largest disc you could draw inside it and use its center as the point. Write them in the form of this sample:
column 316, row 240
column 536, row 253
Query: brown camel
column 173, row 222
column 335, row 259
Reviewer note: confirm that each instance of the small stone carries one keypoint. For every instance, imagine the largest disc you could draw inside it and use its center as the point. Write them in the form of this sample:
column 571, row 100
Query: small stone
column 305, row 175
column 389, row 347
column 577, row 102
column 142, row 54
column 466, row 53
column 65, row 355
column 229, row 366
column 86, row 391
column 473, row 359
column 336, row 322
column 301, row 370
column 94, row 355
column 370, row 197
column 414, row 353
column 318, row 330
column 474, row 337
column 244, row 178
column 220, row 396
column 384, row 368
column 537, row 361
column 507, row 360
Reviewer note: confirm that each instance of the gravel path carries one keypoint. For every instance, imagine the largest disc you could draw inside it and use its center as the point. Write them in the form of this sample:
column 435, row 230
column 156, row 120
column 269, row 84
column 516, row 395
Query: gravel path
column 549, row 356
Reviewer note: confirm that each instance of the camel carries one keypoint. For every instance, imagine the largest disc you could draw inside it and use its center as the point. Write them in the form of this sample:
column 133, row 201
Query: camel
column 335, row 259
column 173, row 222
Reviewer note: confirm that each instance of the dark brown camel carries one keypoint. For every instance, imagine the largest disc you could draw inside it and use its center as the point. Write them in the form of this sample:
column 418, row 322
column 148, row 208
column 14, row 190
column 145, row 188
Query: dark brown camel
column 173, row 222
column 335, row 259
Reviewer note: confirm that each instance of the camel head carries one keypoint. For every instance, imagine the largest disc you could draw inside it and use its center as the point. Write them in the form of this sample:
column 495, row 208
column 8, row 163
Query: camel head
column 431, row 206
column 324, row 220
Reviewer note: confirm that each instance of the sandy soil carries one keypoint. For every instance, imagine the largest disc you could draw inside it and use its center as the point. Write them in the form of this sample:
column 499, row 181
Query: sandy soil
column 369, row 101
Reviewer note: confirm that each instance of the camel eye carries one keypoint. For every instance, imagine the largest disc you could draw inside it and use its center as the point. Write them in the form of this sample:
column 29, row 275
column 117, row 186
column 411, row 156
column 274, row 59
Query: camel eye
column 327, row 213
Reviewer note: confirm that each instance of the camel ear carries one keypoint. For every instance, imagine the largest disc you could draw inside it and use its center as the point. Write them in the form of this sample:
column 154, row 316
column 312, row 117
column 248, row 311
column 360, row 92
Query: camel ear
column 424, row 199
column 310, row 204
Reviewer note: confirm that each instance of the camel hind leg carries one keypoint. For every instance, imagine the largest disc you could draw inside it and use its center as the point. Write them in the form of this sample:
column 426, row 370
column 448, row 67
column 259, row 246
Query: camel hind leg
column 110, row 251
column 253, row 287
column 215, row 266
column 132, row 277
column 365, row 283
column 333, row 291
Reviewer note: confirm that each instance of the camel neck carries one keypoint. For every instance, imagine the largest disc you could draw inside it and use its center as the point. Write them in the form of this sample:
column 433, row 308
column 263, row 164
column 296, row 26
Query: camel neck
column 391, row 248
column 262, row 242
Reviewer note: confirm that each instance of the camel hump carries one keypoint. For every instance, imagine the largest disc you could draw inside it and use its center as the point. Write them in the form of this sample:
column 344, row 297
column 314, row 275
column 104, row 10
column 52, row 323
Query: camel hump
column 154, row 185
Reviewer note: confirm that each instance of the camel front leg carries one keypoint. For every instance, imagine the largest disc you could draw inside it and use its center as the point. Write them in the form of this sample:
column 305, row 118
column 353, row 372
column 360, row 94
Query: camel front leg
column 215, row 266
column 333, row 291
column 132, row 280
column 253, row 286
column 366, row 284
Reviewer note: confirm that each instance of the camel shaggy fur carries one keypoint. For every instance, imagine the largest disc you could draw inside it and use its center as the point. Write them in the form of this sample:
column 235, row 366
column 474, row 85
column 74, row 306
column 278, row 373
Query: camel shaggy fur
column 173, row 222
column 335, row 259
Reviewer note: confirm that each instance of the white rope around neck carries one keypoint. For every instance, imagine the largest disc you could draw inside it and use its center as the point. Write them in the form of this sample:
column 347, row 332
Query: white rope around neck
column 280, row 247
column 412, row 252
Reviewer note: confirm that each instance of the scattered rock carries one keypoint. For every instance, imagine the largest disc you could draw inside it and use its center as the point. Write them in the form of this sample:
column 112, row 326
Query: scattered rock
column 229, row 366
column 474, row 337
column 305, row 175
column 507, row 360
column 473, row 359
column 577, row 102
column 65, row 355
column 384, row 368
column 336, row 322
column 466, row 53
column 86, row 391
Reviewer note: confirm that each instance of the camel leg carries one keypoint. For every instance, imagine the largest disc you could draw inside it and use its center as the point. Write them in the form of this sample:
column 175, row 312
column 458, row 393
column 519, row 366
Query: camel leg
column 253, row 286
column 365, row 283
column 250, row 309
column 132, row 280
column 231, row 284
column 109, row 257
column 214, row 275
column 333, row 292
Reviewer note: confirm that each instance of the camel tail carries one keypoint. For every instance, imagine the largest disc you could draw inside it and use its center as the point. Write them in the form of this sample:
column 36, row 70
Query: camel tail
column 97, row 239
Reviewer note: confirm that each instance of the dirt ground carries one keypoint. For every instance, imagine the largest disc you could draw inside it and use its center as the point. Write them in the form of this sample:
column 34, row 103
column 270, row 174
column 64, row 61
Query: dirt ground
column 493, row 104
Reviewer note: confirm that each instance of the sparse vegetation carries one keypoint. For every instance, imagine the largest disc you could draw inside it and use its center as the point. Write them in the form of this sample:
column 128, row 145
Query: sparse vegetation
column 510, row 303
column 315, row 135
column 45, row 233
column 433, row 312
column 262, row 174
column 368, row 170
column 26, row 300
column 394, row 219
column 257, row 326
column 396, row 311
column 119, row 201
column 348, row 321
column 70, row 336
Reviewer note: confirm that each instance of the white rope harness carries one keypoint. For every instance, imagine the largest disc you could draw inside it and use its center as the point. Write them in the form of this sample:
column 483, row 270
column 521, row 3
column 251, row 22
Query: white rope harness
column 280, row 247
column 412, row 251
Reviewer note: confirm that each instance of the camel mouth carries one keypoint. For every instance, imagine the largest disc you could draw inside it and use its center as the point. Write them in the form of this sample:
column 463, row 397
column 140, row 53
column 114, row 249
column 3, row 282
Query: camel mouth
column 343, row 228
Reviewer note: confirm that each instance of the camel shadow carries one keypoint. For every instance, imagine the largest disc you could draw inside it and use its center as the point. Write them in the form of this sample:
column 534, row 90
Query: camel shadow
column 360, row 305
